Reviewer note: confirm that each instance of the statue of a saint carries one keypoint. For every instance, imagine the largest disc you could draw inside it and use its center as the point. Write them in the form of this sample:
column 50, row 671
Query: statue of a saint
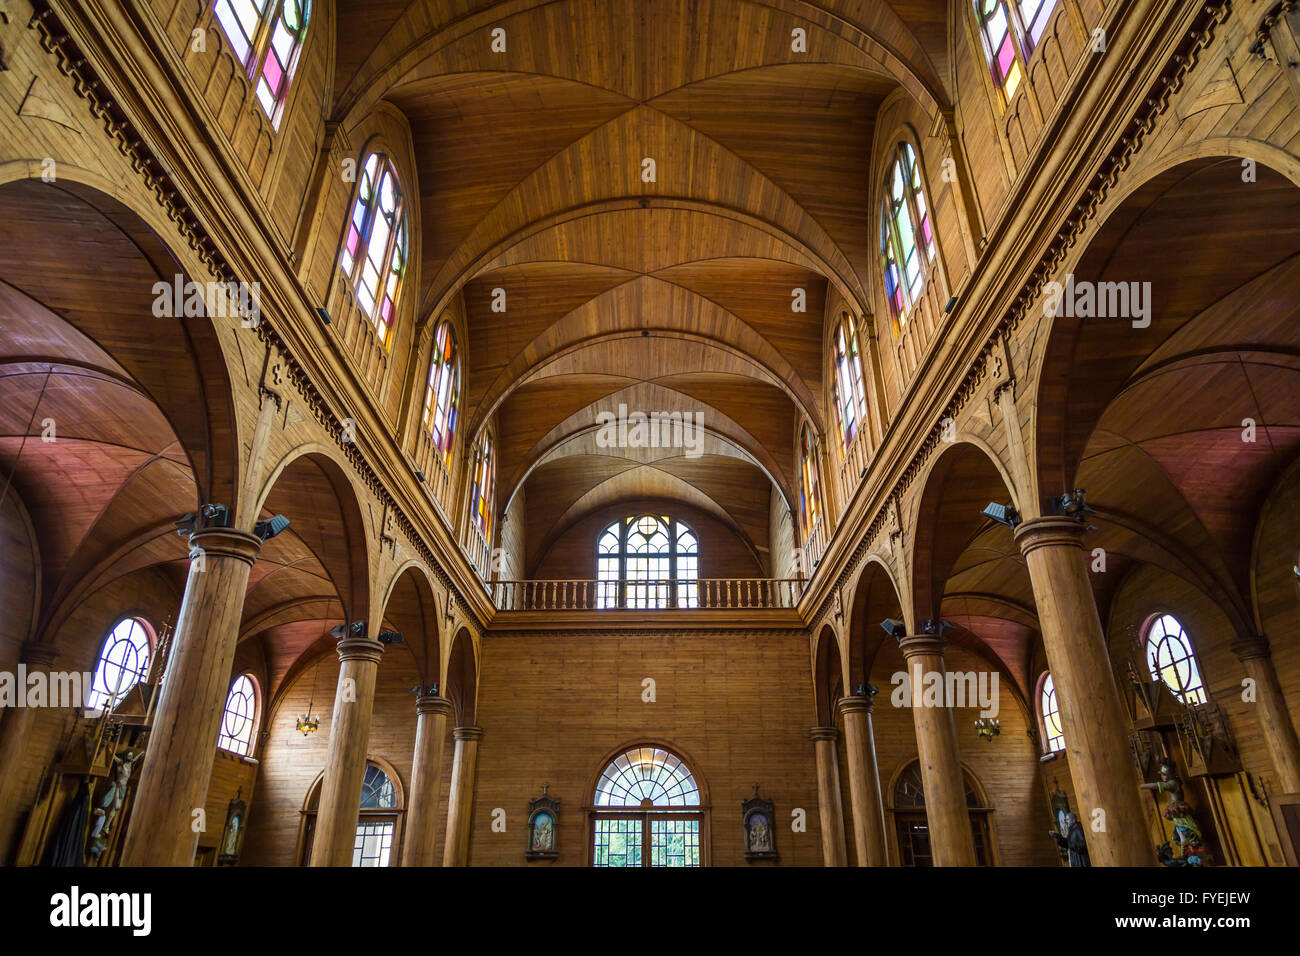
column 760, row 839
column 1069, row 837
column 1187, row 833
column 543, row 832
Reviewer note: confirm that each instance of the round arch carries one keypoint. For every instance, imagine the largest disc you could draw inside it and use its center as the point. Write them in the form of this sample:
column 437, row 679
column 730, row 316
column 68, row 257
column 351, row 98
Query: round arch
column 908, row 841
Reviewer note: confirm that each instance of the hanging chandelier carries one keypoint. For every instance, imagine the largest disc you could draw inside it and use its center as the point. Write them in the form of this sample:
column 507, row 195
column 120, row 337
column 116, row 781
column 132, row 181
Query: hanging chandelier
column 309, row 721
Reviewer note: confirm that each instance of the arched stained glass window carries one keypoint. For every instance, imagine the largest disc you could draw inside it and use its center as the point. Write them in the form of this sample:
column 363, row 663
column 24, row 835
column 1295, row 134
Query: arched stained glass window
column 647, row 812
column 266, row 36
column 810, row 493
column 647, row 773
column 907, row 243
column 647, row 561
column 1170, row 658
column 442, row 397
column 850, row 397
column 374, row 246
column 123, row 663
column 483, row 494
column 1051, row 711
column 240, row 714
column 1011, row 30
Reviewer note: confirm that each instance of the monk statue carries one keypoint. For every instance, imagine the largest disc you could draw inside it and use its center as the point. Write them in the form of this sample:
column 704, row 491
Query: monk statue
column 1069, row 837
column 1187, row 833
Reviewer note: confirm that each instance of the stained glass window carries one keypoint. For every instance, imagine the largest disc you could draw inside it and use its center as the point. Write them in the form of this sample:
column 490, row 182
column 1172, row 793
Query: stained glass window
column 1171, row 659
column 1011, row 31
column 810, row 495
column 266, row 36
column 648, row 813
column 483, row 495
column 123, row 663
column 442, row 396
column 1051, row 712
column 240, row 713
column 907, row 241
column 374, row 246
column 850, row 398
column 652, row 559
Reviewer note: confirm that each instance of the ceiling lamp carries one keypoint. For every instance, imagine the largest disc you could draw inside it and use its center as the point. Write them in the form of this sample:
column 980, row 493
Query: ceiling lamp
column 310, row 721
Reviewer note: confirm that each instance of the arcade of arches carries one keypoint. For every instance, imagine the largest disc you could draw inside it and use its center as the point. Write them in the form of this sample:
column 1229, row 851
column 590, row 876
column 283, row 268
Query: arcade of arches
column 607, row 415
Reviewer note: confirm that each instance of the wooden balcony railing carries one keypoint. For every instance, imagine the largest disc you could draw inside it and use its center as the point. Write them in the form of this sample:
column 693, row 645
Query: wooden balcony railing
column 682, row 594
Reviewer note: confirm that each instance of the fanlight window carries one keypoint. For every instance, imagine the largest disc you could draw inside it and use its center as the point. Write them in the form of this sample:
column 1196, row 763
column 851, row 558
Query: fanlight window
column 442, row 397
column 267, row 37
column 647, row 561
column 1051, row 712
column 483, row 495
column 237, row 721
column 810, row 496
column 1170, row 658
column 1011, row 31
column 646, row 812
column 850, row 398
column 374, row 247
column 912, row 827
column 906, row 233
column 123, row 663
column 377, row 791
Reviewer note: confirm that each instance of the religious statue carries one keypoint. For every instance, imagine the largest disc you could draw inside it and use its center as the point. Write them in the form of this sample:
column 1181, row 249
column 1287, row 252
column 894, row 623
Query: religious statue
column 1187, row 833
column 111, row 802
column 1069, row 837
column 228, row 852
column 756, row 815
column 760, row 835
column 542, row 815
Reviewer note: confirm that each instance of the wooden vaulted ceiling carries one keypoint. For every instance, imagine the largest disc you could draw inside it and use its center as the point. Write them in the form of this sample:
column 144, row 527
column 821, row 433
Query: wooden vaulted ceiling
column 670, row 295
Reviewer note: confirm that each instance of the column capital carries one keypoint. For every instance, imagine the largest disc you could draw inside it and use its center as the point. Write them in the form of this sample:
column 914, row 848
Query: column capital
column 921, row 645
column 432, row 706
column 1253, row 648
column 467, row 733
column 227, row 543
column 819, row 734
column 855, row 705
column 1050, row 531
column 360, row 649
column 42, row 655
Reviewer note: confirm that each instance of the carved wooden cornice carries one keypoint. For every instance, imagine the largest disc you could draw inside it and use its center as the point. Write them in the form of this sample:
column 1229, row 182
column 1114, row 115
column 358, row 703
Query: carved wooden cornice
column 55, row 38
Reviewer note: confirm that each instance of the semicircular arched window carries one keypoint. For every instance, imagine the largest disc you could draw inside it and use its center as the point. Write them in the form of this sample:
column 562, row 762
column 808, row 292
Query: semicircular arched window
column 379, row 819
column 647, row 561
column 912, row 829
column 442, row 396
column 647, row 811
column 123, row 663
column 239, row 717
column 374, row 246
column 1053, row 735
column 267, row 38
column 907, row 245
column 1170, row 658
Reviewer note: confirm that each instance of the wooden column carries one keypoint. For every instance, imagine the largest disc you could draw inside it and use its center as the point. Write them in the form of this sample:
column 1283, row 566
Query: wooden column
column 426, row 776
column 183, row 740
column 345, row 761
column 15, row 728
column 455, row 851
column 951, row 841
column 1092, row 717
column 1271, row 712
column 864, row 782
column 828, row 795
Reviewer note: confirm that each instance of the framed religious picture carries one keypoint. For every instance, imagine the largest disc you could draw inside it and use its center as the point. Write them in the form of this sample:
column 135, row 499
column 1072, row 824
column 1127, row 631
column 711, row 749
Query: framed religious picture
column 232, row 835
column 543, row 815
column 760, row 827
